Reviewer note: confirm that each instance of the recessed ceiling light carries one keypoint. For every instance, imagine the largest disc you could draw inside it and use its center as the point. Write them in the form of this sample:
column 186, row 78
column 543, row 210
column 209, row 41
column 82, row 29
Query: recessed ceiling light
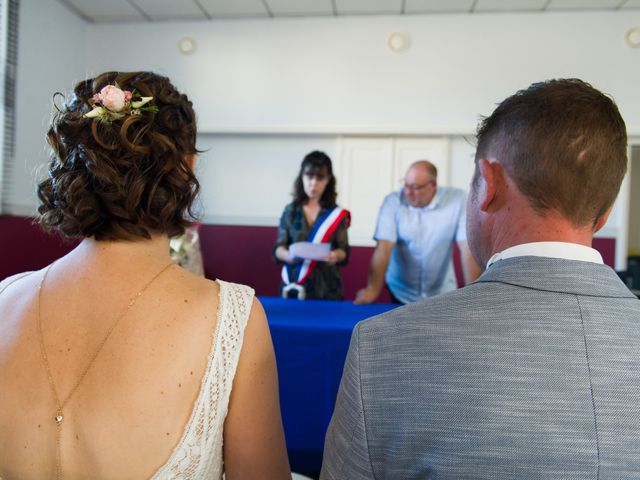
column 187, row 45
column 398, row 42
column 633, row 37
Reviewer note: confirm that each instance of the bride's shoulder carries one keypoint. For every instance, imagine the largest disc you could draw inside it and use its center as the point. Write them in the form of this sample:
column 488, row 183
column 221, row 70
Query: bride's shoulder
column 17, row 294
column 17, row 283
column 188, row 294
column 14, row 278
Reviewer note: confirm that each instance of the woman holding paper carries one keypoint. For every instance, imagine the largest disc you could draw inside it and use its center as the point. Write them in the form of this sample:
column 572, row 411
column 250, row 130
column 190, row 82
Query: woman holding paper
column 312, row 238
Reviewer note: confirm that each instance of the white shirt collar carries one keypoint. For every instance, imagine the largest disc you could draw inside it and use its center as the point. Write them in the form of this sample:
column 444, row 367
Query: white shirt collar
column 565, row 250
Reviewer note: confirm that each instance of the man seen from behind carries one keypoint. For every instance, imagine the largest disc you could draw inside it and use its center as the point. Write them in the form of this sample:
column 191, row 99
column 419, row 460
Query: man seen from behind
column 532, row 371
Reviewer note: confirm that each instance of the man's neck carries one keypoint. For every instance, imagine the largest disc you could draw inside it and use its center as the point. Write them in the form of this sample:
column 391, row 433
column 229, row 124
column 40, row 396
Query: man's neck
column 535, row 228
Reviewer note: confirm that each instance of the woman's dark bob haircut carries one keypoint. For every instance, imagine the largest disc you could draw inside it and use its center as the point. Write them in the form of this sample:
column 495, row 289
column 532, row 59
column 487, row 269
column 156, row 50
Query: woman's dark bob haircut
column 316, row 163
column 124, row 179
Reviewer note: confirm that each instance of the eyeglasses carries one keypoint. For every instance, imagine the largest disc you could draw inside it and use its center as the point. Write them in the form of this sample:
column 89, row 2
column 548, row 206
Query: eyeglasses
column 414, row 187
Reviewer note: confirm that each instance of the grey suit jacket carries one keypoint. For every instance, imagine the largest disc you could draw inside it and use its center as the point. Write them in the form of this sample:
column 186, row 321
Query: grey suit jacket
column 532, row 371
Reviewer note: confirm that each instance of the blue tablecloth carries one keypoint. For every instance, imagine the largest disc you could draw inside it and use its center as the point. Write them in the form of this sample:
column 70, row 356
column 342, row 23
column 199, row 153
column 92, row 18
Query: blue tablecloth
column 311, row 339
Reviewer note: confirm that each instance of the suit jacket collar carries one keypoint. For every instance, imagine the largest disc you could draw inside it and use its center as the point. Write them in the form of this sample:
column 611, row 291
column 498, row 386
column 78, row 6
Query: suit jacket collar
column 557, row 275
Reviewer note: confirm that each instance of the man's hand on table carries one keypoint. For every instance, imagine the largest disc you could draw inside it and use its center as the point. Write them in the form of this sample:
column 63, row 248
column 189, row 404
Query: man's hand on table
column 366, row 295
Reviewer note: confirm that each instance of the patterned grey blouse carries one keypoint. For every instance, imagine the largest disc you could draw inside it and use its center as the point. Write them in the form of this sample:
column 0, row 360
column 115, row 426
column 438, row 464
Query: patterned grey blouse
column 325, row 282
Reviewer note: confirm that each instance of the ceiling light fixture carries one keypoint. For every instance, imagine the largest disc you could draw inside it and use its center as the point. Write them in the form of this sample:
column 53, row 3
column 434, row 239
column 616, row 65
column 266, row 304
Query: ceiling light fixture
column 398, row 42
column 186, row 45
column 633, row 37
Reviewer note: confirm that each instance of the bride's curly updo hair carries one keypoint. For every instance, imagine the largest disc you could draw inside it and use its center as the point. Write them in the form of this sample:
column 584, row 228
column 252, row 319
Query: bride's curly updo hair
column 123, row 179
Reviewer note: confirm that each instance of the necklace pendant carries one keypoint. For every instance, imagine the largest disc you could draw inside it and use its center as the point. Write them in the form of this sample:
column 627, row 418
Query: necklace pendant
column 58, row 419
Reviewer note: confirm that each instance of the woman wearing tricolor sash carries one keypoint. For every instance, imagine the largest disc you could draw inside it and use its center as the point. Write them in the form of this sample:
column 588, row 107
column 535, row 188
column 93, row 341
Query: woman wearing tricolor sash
column 318, row 228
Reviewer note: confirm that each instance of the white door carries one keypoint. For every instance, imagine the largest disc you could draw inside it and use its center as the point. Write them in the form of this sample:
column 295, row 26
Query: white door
column 410, row 149
column 369, row 168
column 364, row 178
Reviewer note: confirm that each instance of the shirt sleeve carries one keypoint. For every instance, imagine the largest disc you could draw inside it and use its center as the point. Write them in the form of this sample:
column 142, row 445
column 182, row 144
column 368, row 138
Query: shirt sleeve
column 283, row 239
column 386, row 227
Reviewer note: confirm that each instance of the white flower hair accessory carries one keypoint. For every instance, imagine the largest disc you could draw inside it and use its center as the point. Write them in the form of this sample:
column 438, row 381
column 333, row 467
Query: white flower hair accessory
column 113, row 103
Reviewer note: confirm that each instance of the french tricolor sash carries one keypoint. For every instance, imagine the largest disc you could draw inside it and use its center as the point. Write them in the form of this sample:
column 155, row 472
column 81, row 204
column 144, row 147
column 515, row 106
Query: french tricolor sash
column 321, row 232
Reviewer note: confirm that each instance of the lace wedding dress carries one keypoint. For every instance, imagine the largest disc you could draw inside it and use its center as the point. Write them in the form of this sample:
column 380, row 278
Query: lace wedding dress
column 198, row 455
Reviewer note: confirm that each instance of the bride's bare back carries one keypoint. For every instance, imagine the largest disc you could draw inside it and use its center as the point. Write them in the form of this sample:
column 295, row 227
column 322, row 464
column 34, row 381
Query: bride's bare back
column 130, row 409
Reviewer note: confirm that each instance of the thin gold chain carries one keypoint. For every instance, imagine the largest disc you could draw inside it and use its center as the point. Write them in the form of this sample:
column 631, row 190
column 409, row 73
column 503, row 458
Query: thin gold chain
column 59, row 416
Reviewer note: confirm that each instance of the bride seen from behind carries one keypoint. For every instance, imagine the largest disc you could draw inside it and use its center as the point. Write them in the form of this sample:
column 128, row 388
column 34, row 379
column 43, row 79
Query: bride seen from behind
column 114, row 362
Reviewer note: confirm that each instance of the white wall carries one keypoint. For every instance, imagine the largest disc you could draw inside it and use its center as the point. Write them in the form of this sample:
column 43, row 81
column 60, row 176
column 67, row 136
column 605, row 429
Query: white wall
column 4, row 28
column 51, row 57
column 337, row 75
column 634, row 203
column 463, row 151
column 267, row 91
column 248, row 179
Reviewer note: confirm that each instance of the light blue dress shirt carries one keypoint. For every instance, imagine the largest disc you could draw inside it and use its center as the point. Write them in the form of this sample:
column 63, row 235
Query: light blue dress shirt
column 421, row 264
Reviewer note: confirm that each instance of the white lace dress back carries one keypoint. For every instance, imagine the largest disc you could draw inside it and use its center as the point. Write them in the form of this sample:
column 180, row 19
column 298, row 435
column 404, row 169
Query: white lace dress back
column 198, row 455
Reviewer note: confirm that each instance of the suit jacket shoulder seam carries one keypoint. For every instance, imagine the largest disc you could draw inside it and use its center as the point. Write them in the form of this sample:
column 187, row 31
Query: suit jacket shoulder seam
column 593, row 401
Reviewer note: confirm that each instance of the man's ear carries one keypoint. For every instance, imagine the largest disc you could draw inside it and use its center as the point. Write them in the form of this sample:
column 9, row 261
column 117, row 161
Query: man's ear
column 489, row 173
column 190, row 160
column 602, row 219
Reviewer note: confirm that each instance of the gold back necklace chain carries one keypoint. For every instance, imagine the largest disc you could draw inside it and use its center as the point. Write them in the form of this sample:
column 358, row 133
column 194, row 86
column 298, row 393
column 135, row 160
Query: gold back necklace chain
column 60, row 404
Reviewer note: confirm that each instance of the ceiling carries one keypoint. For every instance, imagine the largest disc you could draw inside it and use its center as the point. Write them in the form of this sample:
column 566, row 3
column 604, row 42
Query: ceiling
column 117, row 11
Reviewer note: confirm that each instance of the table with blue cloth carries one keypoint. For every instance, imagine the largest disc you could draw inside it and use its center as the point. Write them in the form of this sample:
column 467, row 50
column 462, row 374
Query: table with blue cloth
column 311, row 339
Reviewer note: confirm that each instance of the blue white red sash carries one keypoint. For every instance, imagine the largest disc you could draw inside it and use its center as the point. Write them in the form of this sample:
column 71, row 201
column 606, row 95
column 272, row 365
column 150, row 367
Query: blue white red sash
column 321, row 232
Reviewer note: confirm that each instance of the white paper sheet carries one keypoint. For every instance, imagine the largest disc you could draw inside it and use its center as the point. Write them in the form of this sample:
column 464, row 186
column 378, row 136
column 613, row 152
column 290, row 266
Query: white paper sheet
column 310, row 251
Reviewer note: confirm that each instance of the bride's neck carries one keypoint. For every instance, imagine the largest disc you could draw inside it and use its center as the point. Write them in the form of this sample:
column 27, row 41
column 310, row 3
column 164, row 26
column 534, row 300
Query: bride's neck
column 121, row 253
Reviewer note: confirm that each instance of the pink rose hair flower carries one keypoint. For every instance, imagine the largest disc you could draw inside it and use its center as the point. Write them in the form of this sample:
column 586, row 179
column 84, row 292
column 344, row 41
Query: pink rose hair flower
column 113, row 103
column 113, row 98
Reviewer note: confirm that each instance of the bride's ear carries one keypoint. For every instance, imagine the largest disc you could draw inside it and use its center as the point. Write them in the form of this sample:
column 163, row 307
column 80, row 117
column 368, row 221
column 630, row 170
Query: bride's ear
column 191, row 161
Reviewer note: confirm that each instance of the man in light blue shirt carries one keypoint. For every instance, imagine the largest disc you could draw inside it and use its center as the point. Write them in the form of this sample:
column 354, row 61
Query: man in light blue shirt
column 416, row 228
